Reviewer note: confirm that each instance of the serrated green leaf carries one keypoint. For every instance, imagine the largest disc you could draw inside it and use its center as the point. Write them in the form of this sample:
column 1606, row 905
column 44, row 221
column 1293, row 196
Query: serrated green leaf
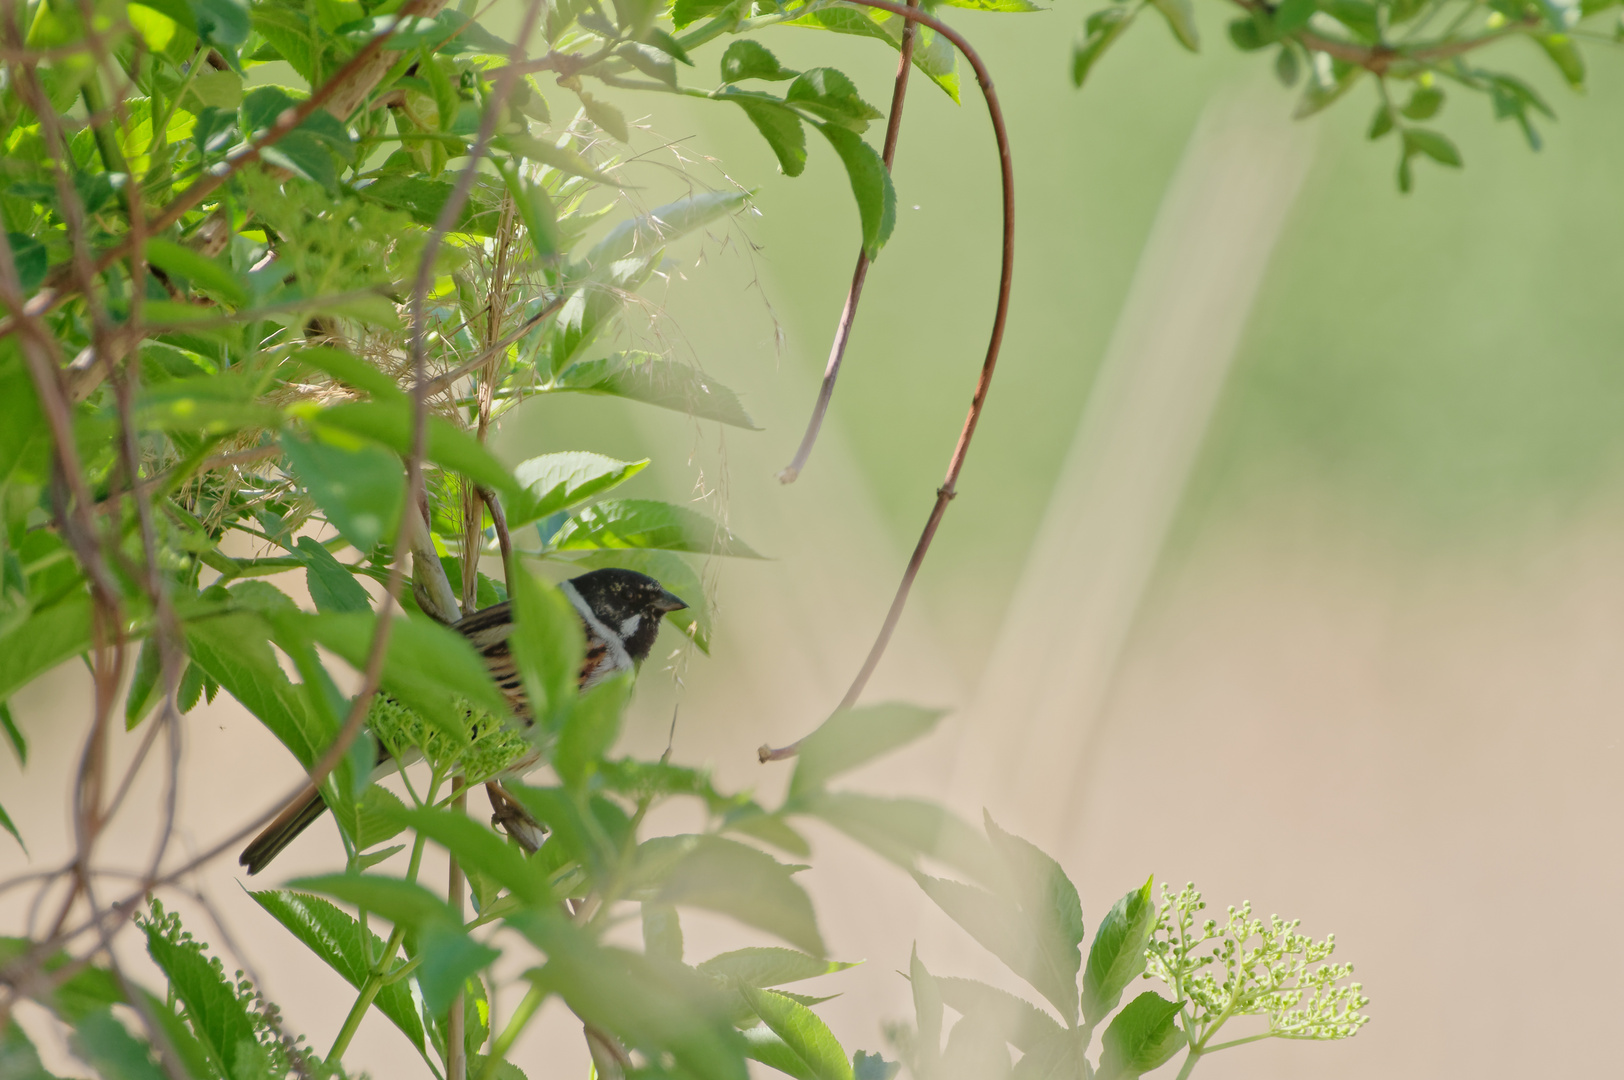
column 779, row 125
column 646, row 523
column 1118, row 954
column 178, row 261
column 870, row 185
column 928, row 1014
column 1020, row 1023
column 1000, row 928
column 1180, row 16
column 829, row 94
column 220, row 1021
column 802, row 1031
column 724, row 875
column 654, row 1007
column 562, row 481
column 235, row 651
column 905, row 830
column 669, row 384
column 390, row 423
column 768, row 966
column 332, row 587
column 358, row 484
column 1048, row 901
column 335, row 937
column 1099, row 31
column 1144, row 1036
column 647, row 233
column 747, row 59
column 852, row 737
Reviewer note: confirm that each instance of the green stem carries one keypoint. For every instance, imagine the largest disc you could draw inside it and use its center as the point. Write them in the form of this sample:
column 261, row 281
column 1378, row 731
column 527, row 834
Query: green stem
column 510, row 1034
column 1189, row 1063
column 112, row 154
column 375, row 978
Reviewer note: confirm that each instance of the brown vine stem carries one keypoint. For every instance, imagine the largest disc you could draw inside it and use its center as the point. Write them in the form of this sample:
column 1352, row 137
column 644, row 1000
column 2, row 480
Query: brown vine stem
column 978, row 399
column 854, row 295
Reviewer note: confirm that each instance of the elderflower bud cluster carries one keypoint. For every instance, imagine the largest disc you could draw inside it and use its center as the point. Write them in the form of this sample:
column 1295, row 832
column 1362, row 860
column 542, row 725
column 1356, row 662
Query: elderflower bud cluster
column 492, row 744
column 1245, row 967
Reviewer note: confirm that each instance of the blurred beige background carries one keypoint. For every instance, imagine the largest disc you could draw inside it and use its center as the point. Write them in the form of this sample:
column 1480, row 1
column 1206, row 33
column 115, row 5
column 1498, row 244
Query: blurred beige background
column 1326, row 612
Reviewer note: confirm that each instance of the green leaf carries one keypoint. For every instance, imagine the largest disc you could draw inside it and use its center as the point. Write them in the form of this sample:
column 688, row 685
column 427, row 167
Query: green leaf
column 1249, row 33
column 1000, row 927
column 1048, row 900
column 548, row 644
column 1118, row 954
column 747, row 59
column 779, row 125
column 652, row 61
column 1326, row 84
column 427, row 666
column 449, row 956
column 651, row 379
column 1180, row 16
column 768, row 966
column 1144, row 1036
column 335, row 937
column 647, row 233
column 18, row 1058
column 763, row 1044
column 115, row 1054
column 479, row 849
column 1286, row 65
column 562, row 481
column 853, row 737
column 606, row 116
column 14, row 735
column 829, row 94
column 221, row 22
column 559, row 156
column 143, row 692
column 178, row 261
column 536, row 208
column 332, row 587
column 1424, row 103
column 904, row 830
column 866, row 1066
column 31, row 258
column 975, row 1048
column 235, row 651
column 358, row 485
column 1433, row 145
column 1017, row 7
column 1099, row 31
column 933, row 54
column 802, row 1031
column 350, row 370
column 1020, row 1023
column 1381, row 123
column 375, row 807
column 1564, row 53
column 927, row 1000
column 667, row 44
column 49, row 637
column 1292, row 15
column 403, row 903
column 592, row 728
column 390, row 423
column 654, row 1007
column 870, row 185
column 645, row 523
column 6, row 824
column 219, row 1019
column 735, row 879
column 662, row 932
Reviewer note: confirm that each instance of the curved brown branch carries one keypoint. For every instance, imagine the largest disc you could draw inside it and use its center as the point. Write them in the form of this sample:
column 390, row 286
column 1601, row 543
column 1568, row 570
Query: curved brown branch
column 854, row 295
column 978, row 399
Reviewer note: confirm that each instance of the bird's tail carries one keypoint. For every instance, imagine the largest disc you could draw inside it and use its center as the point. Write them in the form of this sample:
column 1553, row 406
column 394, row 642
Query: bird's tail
column 298, row 817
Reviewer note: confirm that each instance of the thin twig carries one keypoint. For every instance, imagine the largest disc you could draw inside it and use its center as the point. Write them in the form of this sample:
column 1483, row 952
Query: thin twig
column 978, row 400
column 848, row 314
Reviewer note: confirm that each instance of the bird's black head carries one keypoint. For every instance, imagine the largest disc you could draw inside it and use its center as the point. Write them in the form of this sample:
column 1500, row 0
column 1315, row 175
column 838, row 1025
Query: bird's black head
column 629, row 604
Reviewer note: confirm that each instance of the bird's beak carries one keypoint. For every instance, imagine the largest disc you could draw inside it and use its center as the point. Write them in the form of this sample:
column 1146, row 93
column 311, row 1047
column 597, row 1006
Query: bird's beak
column 668, row 601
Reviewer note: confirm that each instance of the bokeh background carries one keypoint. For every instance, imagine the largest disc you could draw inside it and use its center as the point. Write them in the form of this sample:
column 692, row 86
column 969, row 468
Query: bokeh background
column 1321, row 606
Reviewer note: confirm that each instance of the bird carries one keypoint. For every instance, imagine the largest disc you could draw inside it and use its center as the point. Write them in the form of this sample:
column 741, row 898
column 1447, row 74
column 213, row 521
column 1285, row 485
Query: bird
column 620, row 611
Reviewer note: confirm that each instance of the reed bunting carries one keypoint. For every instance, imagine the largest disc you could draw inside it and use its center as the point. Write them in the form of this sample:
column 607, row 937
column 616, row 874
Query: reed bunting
column 620, row 611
